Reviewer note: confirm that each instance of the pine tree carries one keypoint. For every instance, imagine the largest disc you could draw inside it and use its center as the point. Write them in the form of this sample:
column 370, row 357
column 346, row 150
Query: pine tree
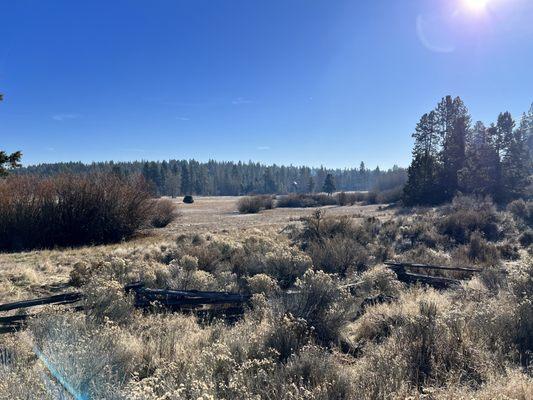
column 516, row 166
column 453, row 124
column 311, row 185
column 329, row 184
column 186, row 185
column 422, row 184
column 8, row 161
column 479, row 174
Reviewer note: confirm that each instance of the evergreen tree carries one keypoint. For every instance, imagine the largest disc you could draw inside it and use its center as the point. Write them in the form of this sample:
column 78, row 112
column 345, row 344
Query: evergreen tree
column 516, row 166
column 453, row 124
column 186, row 185
column 8, row 161
column 479, row 174
column 329, row 184
column 423, row 173
column 311, row 185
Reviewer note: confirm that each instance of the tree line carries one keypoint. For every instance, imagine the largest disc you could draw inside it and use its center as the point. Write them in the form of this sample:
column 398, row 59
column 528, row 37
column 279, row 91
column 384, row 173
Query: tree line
column 452, row 155
column 182, row 177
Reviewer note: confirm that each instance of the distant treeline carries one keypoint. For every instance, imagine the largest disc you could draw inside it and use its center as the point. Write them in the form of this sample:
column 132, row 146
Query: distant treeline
column 180, row 177
column 453, row 155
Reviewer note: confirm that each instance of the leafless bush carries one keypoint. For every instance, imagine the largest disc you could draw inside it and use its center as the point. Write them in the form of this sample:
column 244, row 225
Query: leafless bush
column 163, row 212
column 69, row 210
column 254, row 204
column 305, row 200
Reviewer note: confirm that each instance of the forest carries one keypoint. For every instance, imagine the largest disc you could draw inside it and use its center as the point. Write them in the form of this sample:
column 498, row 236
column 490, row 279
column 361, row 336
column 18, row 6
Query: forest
column 216, row 178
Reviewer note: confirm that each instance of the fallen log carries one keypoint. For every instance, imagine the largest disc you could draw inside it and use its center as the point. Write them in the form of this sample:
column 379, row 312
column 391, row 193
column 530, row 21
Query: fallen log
column 438, row 282
column 213, row 303
column 65, row 298
column 430, row 267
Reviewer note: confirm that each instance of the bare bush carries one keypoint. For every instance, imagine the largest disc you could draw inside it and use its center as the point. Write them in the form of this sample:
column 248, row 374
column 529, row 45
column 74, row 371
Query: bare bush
column 254, row 204
column 163, row 212
column 69, row 210
column 305, row 200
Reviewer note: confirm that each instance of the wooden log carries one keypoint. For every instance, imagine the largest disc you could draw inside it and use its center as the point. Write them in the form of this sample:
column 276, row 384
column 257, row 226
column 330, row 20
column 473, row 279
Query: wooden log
column 65, row 298
column 181, row 299
column 394, row 264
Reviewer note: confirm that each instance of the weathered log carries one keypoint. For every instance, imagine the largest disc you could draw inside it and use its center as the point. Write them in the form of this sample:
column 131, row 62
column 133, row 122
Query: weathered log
column 65, row 298
column 426, row 266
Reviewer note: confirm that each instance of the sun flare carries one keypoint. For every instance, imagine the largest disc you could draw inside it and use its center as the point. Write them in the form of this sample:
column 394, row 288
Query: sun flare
column 476, row 5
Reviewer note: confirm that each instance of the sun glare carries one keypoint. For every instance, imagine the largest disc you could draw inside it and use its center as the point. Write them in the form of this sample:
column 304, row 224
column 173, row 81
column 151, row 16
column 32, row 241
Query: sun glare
column 476, row 5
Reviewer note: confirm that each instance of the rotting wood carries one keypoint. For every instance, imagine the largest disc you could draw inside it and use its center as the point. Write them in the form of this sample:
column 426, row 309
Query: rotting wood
column 438, row 282
column 426, row 266
column 219, row 303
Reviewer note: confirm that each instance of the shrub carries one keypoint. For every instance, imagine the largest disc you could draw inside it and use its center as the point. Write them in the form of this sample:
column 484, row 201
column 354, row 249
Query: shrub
column 347, row 199
column 526, row 238
column 188, row 199
column 467, row 215
column 254, row 204
column 338, row 255
column 306, row 200
column 70, row 210
column 522, row 211
column 163, row 212
column 320, row 301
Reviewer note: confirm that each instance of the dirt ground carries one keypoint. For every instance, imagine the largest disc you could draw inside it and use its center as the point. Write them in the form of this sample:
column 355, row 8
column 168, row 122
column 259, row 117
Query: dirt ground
column 37, row 273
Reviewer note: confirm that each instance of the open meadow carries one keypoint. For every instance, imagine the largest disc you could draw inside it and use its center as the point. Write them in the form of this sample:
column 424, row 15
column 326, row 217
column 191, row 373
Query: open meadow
column 325, row 318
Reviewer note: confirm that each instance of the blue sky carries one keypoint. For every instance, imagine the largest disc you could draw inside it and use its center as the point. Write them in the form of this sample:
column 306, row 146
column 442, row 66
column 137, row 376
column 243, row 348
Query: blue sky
column 329, row 82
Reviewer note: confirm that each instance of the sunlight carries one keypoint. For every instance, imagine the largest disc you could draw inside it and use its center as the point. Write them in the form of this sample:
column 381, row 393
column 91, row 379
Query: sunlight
column 476, row 5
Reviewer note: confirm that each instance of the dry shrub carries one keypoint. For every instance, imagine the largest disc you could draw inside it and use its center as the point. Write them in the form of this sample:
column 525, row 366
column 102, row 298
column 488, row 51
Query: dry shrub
column 163, row 212
column 422, row 340
column 526, row 238
column 254, row 204
column 338, row 255
column 467, row 215
column 320, row 300
column 522, row 211
column 95, row 359
column 305, row 200
column 478, row 251
column 348, row 199
column 69, row 210
column 314, row 374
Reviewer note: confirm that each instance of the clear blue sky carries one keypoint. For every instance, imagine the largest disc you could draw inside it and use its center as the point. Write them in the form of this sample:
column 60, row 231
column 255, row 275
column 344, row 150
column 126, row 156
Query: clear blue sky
column 328, row 82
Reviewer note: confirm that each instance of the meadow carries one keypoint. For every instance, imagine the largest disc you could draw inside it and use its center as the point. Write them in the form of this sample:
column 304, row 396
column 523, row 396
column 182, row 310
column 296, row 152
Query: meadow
column 308, row 332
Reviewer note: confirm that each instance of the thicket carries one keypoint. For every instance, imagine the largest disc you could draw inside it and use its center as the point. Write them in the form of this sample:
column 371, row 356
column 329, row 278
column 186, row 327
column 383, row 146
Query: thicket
column 254, row 204
column 69, row 210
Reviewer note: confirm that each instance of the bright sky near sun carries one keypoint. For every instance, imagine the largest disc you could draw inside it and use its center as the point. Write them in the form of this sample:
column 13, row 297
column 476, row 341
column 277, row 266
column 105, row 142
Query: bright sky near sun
column 329, row 82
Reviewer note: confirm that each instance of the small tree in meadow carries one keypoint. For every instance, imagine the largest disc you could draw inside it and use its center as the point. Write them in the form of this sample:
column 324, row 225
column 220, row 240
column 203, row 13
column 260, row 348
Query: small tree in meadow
column 329, row 184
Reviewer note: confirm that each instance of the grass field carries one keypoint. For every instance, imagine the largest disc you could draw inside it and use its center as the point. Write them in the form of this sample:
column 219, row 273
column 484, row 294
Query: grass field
column 309, row 333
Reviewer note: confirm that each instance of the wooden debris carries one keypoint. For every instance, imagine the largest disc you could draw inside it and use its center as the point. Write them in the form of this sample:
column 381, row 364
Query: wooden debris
column 438, row 282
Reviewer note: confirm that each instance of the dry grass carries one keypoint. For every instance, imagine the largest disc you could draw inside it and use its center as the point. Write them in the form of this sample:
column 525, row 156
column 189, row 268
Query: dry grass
column 305, row 336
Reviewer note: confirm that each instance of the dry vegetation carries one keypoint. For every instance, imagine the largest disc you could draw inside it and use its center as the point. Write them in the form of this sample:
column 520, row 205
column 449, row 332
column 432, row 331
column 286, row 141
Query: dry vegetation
column 306, row 335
